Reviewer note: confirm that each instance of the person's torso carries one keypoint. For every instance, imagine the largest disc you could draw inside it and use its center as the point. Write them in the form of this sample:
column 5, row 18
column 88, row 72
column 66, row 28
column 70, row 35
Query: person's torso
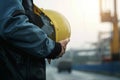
column 27, row 66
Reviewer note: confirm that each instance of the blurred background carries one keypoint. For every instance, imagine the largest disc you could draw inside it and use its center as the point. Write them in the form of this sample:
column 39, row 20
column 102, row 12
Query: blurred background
column 93, row 52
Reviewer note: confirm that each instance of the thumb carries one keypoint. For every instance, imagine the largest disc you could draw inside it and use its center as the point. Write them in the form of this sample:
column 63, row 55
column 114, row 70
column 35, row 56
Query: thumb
column 66, row 41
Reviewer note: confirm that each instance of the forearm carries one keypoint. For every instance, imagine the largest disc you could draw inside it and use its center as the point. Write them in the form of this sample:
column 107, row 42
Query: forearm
column 30, row 38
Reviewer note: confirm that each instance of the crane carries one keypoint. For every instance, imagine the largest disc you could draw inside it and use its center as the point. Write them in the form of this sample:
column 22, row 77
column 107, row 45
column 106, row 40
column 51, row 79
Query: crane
column 106, row 17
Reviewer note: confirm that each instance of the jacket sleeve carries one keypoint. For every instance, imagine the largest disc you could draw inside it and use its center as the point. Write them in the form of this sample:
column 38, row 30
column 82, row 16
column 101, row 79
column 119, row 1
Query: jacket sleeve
column 29, row 37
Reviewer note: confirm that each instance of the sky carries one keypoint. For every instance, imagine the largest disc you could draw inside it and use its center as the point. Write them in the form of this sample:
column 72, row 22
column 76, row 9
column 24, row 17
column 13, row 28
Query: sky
column 84, row 19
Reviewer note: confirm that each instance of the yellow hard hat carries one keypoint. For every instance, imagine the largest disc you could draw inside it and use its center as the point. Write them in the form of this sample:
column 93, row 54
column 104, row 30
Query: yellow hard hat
column 59, row 27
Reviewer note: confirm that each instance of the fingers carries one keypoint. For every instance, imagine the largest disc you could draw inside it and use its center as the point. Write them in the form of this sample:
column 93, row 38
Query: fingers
column 63, row 45
column 64, row 42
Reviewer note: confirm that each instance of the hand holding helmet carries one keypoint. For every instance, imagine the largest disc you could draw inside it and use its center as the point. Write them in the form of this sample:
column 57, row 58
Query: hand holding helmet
column 56, row 26
column 64, row 45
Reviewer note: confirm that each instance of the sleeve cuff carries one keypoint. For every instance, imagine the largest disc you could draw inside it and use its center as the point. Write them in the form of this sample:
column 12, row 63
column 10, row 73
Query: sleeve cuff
column 55, row 52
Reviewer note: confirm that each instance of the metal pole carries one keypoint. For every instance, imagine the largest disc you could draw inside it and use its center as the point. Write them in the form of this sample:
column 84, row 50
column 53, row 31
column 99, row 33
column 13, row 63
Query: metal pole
column 115, row 37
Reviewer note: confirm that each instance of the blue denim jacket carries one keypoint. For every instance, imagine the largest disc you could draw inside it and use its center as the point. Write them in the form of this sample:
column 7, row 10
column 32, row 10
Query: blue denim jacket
column 17, row 30
column 20, row 32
